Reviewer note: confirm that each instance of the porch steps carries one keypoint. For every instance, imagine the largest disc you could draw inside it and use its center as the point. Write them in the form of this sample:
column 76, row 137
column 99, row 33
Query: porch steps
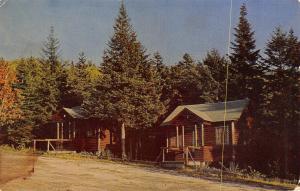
column 173, row 164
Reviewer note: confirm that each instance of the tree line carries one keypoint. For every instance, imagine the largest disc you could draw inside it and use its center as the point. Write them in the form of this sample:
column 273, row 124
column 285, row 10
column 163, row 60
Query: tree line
column 132, row 89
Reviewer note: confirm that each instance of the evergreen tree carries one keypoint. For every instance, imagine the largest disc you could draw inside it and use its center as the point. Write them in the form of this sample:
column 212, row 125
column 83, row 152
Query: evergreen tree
column 40, row 98
column 80, row 80
column 164, row 84
column 216, row 65
column 51, row 51
column 126, row 94
column 43, row 91
column 245, row 72
column 280, row 106
column 187, row 74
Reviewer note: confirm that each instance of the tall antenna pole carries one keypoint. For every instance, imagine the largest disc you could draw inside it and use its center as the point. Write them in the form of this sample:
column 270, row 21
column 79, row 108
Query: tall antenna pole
column 226, row 94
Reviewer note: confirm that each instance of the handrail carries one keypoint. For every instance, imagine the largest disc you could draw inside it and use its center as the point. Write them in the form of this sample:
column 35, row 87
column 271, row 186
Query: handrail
column 52, row 140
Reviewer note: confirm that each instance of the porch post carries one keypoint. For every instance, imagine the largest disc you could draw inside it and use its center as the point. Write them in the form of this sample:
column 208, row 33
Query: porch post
column 69, row 129
column 202, row 134
column 167, row 142
column 34, row 145
column 99, row 139
column 183, row 153
column 57, row 130
column 74, row 132
column 62, row 130
column 233, row 141
column 182, row 136
column 177, row 137
column 196, row 136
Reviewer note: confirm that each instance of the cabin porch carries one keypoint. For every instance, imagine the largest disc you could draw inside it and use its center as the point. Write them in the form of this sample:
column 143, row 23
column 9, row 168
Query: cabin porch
column 199, row 144
column 71, row 130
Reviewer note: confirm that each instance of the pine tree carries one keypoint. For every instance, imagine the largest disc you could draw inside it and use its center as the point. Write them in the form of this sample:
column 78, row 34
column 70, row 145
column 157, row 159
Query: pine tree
column 126, row 94
column 216, row 65
column 80, row 79
column 245, row 72
column 280, row 106
column 40, row 98
column 51, row 51
column 163, row 73
column 187, row 74
column 43, row 92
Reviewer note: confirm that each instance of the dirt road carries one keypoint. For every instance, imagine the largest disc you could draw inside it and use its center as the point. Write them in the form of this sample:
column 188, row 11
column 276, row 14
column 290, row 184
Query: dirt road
column 15, row 165
column 53, row 174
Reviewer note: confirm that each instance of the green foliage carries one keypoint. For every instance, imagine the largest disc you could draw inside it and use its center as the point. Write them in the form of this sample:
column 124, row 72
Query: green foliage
column 81, row 77
column 245, row 73
column 51, row 51
column 216, row 64
column 280, row 106
column 127, row 92
column 187, row 74
column 132, row 89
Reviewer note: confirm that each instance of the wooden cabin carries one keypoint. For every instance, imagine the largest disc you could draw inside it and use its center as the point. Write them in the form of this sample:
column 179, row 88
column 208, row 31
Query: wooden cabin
column 71, row 129
column 194, row 133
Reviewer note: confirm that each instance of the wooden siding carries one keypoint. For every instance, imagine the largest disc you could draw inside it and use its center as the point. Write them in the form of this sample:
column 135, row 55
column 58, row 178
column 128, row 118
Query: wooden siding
column 209, row 152
column 204, row 154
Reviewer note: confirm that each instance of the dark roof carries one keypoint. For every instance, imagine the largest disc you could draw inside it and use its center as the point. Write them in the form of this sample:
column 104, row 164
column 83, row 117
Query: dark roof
column 212, row 112
column 76, row 112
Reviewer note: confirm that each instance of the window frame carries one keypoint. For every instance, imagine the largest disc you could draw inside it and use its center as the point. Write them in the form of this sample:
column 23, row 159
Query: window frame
column 219, row 134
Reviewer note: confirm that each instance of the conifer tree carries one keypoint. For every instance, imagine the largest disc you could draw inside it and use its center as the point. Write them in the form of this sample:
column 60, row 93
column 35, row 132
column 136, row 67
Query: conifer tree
column 245, row 73
column 51, row 50
column 164, row 77
column 79, row 81
column 280, row 106
column 126, row 94
column 187, row 74
column 216, row 65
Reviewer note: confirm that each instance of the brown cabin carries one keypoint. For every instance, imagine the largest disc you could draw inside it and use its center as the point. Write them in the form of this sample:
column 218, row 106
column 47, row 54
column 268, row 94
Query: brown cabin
column 71, row 129
column 193, row 133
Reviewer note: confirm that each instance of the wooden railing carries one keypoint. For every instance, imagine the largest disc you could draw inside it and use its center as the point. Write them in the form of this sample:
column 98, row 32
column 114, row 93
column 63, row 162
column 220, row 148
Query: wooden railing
column 185, row 150
column 49, row 144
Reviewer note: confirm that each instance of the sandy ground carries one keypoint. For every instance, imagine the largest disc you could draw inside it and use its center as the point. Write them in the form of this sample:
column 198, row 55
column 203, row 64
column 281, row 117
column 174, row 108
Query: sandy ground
column 15, row 165
column 53, row 174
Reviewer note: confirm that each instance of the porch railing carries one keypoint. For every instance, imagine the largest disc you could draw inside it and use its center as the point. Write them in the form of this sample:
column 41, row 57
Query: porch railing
column 49, row 143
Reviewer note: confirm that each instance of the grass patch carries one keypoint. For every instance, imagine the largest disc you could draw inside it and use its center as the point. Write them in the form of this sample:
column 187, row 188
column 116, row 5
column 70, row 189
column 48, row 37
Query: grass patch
column 10, row 149
column 214, row 174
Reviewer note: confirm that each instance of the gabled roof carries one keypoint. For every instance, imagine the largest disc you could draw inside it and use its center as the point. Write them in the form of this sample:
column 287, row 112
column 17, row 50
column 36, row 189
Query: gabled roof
column 76, row 112
column 212, row 112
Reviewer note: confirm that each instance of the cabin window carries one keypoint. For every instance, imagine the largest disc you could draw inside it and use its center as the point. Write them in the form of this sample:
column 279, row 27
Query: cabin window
column 219, row 135
column 90, row 133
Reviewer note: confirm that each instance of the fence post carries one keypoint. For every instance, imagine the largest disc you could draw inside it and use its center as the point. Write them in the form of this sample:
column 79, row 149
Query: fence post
column 48, row 144
column 187, row 156
column 34, row 145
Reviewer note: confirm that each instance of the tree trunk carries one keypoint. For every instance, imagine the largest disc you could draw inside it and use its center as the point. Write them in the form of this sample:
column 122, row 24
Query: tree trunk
column 286, row 148
column 124, row 157
column 130, row 146
column 140, row 146
column 136, row 150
